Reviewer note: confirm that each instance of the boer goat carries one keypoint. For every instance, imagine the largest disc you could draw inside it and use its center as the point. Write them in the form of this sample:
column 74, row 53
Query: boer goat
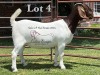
column 46, row 35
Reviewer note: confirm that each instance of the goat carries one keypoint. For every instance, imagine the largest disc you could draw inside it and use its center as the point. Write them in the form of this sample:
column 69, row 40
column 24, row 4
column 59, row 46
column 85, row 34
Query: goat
column 46, row 35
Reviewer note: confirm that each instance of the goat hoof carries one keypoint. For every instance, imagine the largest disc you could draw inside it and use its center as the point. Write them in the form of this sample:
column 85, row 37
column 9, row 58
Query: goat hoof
column 14, row 70
column 63, row 67
column 56, row 64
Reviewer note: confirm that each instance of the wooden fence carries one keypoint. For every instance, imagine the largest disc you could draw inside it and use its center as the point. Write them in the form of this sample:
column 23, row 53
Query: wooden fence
column 53, row 11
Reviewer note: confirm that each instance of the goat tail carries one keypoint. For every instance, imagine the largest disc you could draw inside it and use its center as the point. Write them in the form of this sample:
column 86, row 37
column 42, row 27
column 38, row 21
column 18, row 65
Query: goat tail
column 14, row 16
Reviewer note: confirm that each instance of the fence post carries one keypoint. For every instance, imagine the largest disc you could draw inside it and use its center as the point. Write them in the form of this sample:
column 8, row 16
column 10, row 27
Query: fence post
column 51, row 55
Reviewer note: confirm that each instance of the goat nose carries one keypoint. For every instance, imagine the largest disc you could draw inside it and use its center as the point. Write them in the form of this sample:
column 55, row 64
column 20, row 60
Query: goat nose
column 90, row 17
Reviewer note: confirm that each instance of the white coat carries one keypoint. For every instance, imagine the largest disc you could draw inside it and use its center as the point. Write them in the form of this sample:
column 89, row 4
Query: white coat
column 39, row 35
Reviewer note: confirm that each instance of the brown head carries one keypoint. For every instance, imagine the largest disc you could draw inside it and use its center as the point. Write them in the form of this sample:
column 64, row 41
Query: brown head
column 84, row 11
column 80, row 11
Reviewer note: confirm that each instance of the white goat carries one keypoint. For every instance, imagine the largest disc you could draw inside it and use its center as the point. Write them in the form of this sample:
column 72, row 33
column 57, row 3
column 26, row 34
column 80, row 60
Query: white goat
column 42, row 35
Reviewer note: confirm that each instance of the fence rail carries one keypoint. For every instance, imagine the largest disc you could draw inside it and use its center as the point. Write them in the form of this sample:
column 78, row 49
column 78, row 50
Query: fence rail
column 25, row 17
column 20, row 2
column 77, row 37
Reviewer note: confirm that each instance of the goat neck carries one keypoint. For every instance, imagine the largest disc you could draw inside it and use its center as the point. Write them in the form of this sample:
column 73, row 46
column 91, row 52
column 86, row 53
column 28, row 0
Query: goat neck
column 73, row 20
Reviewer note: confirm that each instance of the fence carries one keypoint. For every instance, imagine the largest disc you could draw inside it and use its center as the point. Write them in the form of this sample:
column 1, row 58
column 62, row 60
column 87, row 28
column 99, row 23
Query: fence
column 54, row 9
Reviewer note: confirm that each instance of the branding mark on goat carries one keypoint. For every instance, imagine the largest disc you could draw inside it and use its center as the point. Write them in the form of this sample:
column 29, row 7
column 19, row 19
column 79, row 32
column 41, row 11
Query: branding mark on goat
column 39, row 39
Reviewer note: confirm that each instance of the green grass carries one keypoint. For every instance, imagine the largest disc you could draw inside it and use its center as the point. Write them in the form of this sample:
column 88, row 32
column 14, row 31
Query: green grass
column 43, row 66
column 95, row 25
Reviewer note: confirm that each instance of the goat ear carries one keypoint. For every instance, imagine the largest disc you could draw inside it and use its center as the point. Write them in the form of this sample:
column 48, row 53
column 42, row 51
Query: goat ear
column 82, row 12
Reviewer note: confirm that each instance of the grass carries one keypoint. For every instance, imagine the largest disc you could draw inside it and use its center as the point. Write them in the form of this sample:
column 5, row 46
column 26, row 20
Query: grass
column 95, row 25
column 43, row 66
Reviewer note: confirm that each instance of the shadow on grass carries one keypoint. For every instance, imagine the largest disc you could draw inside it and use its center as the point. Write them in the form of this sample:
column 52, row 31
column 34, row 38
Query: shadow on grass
column 83, row 42
column 36, row 66
column 39, row 64
column 85, row 64
column 46, row 67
